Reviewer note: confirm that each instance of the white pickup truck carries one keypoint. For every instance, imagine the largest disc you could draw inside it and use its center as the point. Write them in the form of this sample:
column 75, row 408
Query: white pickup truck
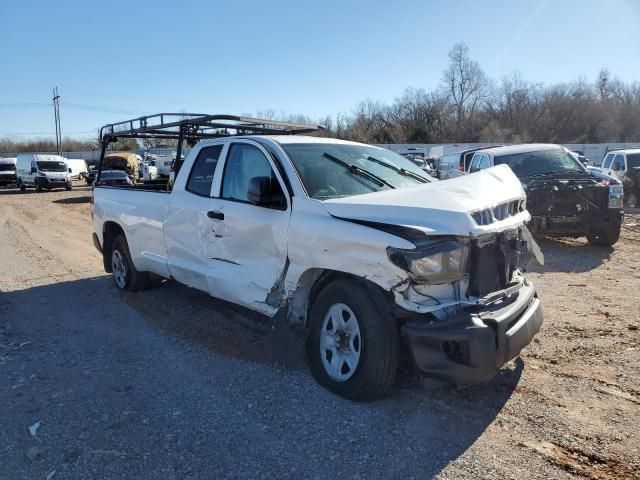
column 353, row 242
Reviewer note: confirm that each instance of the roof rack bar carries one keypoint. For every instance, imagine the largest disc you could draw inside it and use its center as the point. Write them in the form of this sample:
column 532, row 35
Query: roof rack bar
column 199, row 125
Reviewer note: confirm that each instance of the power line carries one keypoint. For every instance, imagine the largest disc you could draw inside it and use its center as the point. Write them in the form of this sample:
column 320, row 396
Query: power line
column 46, row 133
column 75, row 106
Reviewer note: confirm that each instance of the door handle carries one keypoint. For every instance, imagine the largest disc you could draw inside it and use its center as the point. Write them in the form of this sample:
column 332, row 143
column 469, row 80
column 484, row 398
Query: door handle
column 215, row 215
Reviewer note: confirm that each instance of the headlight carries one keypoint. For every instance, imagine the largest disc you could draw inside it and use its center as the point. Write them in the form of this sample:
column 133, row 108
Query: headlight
column 616, row 194
column 439, row 262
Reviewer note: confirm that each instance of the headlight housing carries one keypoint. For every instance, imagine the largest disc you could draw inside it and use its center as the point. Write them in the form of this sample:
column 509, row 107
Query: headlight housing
column 439, row 262
column 616, row 194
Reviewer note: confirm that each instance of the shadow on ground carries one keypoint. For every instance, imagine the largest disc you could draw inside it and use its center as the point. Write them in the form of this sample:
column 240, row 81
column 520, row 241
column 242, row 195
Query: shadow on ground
column 173, row 348
column 570, row 255
column 72, row 200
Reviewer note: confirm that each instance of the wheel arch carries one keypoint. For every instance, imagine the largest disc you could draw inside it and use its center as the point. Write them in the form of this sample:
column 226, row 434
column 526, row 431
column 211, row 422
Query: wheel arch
column 110, row 230
column 314, row 280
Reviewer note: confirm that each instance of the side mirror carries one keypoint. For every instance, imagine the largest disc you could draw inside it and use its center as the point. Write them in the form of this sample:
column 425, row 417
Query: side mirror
column 34, row 170
column 260, row 191
column 69, row 170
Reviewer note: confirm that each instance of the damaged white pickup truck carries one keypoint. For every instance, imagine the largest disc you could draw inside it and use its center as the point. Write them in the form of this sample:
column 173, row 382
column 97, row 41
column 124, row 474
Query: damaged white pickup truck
column 353, row 242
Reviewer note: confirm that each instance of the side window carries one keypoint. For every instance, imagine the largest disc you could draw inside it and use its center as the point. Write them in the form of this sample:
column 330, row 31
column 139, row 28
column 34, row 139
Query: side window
column 201, row 175
column 618, row 163
column 474, row 163
column 245, row 162
column 607, row 161
column 484, row 162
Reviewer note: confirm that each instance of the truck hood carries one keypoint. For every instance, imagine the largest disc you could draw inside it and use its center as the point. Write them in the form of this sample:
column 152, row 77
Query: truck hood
column 442, row 207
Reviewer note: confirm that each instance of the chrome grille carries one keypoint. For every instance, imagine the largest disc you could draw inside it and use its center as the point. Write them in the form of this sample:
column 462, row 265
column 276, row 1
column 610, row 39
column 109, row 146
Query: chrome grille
column 501, row 211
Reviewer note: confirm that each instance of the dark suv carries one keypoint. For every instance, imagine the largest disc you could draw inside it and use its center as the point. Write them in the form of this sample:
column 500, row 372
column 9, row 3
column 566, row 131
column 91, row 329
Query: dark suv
column 563, row 197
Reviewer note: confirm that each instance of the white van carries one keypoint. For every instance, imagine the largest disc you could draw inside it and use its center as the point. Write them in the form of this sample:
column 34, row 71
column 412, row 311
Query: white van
column 42, row 172
column 78, row 167
column 7, row 171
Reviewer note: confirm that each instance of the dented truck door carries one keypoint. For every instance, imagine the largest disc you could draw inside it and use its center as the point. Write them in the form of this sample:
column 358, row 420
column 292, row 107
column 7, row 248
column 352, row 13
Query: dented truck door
column 188, row 231
column 249, row 253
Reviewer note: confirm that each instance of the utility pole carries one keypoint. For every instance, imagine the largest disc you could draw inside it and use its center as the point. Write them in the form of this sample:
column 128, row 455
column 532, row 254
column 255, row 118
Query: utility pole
column 56, row 112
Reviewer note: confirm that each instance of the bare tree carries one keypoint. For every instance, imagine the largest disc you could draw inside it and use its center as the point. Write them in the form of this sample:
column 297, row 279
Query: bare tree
column 467, row 86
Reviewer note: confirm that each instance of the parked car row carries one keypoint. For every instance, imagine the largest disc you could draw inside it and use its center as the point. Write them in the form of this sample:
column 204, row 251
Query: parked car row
column 624, row 165
column 564, row 197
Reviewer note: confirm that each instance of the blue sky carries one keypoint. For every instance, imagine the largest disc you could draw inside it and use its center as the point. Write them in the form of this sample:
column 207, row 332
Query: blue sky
column 316, row 58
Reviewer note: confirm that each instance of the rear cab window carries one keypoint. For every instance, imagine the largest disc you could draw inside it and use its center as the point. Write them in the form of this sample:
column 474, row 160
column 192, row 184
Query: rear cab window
column 607, row 161
column 201, row 175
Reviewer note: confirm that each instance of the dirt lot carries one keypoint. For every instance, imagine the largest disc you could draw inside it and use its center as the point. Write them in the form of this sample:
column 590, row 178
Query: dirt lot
column 169, row 383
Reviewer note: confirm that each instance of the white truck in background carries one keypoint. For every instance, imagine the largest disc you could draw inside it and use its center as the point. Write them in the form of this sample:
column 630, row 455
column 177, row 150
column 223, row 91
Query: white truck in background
column 77, row 166
column 352, row 243
column 42, row 172
column 7, row 171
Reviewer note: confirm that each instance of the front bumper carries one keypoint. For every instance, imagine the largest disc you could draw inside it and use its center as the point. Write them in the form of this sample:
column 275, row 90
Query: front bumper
column 470, row 347
column 609, row 219
column 7, row 179
column 50, row 183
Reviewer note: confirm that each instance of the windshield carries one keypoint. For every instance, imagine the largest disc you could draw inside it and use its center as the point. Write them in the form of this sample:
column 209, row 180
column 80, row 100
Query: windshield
column 542, row 162
column 7, row 167
column 52, row 166
column 633, row 161
column 330, row 170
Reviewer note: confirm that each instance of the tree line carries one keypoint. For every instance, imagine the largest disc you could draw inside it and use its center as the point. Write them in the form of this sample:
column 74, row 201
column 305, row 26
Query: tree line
column 467, row 106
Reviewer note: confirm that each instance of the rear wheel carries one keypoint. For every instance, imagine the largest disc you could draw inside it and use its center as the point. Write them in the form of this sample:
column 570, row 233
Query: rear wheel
column 353, row 345
column 603, row 238
column 125, row 275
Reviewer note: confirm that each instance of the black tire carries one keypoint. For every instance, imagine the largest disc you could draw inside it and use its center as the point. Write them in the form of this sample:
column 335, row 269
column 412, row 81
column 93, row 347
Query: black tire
column 631, row 200
column 378, row 359
column 603, row 238
column 38, row 187
column 68, row 188
column 22, row 186
column 134, row 280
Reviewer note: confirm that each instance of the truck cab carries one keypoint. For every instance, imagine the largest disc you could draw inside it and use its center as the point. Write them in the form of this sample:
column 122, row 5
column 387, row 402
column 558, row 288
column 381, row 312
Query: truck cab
column 563, row 196
column 625, row 166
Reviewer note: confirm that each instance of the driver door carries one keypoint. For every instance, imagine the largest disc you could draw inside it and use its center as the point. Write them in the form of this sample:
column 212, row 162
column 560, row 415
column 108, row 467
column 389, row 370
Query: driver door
column 249, row 252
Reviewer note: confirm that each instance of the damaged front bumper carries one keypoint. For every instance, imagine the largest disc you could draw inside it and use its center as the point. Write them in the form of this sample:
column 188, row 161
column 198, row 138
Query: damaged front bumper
column 610, row 219
column 469, row 348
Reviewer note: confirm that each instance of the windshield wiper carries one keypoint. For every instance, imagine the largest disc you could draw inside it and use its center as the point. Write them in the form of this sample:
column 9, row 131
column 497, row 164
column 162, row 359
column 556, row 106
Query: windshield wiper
column 355, row 169
column 400, row 170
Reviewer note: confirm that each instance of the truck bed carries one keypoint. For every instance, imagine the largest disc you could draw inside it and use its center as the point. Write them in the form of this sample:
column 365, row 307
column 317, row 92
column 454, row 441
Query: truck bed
column 141, row 212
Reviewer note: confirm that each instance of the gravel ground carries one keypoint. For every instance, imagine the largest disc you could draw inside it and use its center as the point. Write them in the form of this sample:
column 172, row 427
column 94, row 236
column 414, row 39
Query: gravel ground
column 169, row 383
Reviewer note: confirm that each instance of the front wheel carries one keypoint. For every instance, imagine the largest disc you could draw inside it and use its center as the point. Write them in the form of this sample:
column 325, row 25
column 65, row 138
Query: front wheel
column 67, row 188
column 22, row 186
column 353, row 345
column 631, row 200
column 603, row 238
column 125, row 275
